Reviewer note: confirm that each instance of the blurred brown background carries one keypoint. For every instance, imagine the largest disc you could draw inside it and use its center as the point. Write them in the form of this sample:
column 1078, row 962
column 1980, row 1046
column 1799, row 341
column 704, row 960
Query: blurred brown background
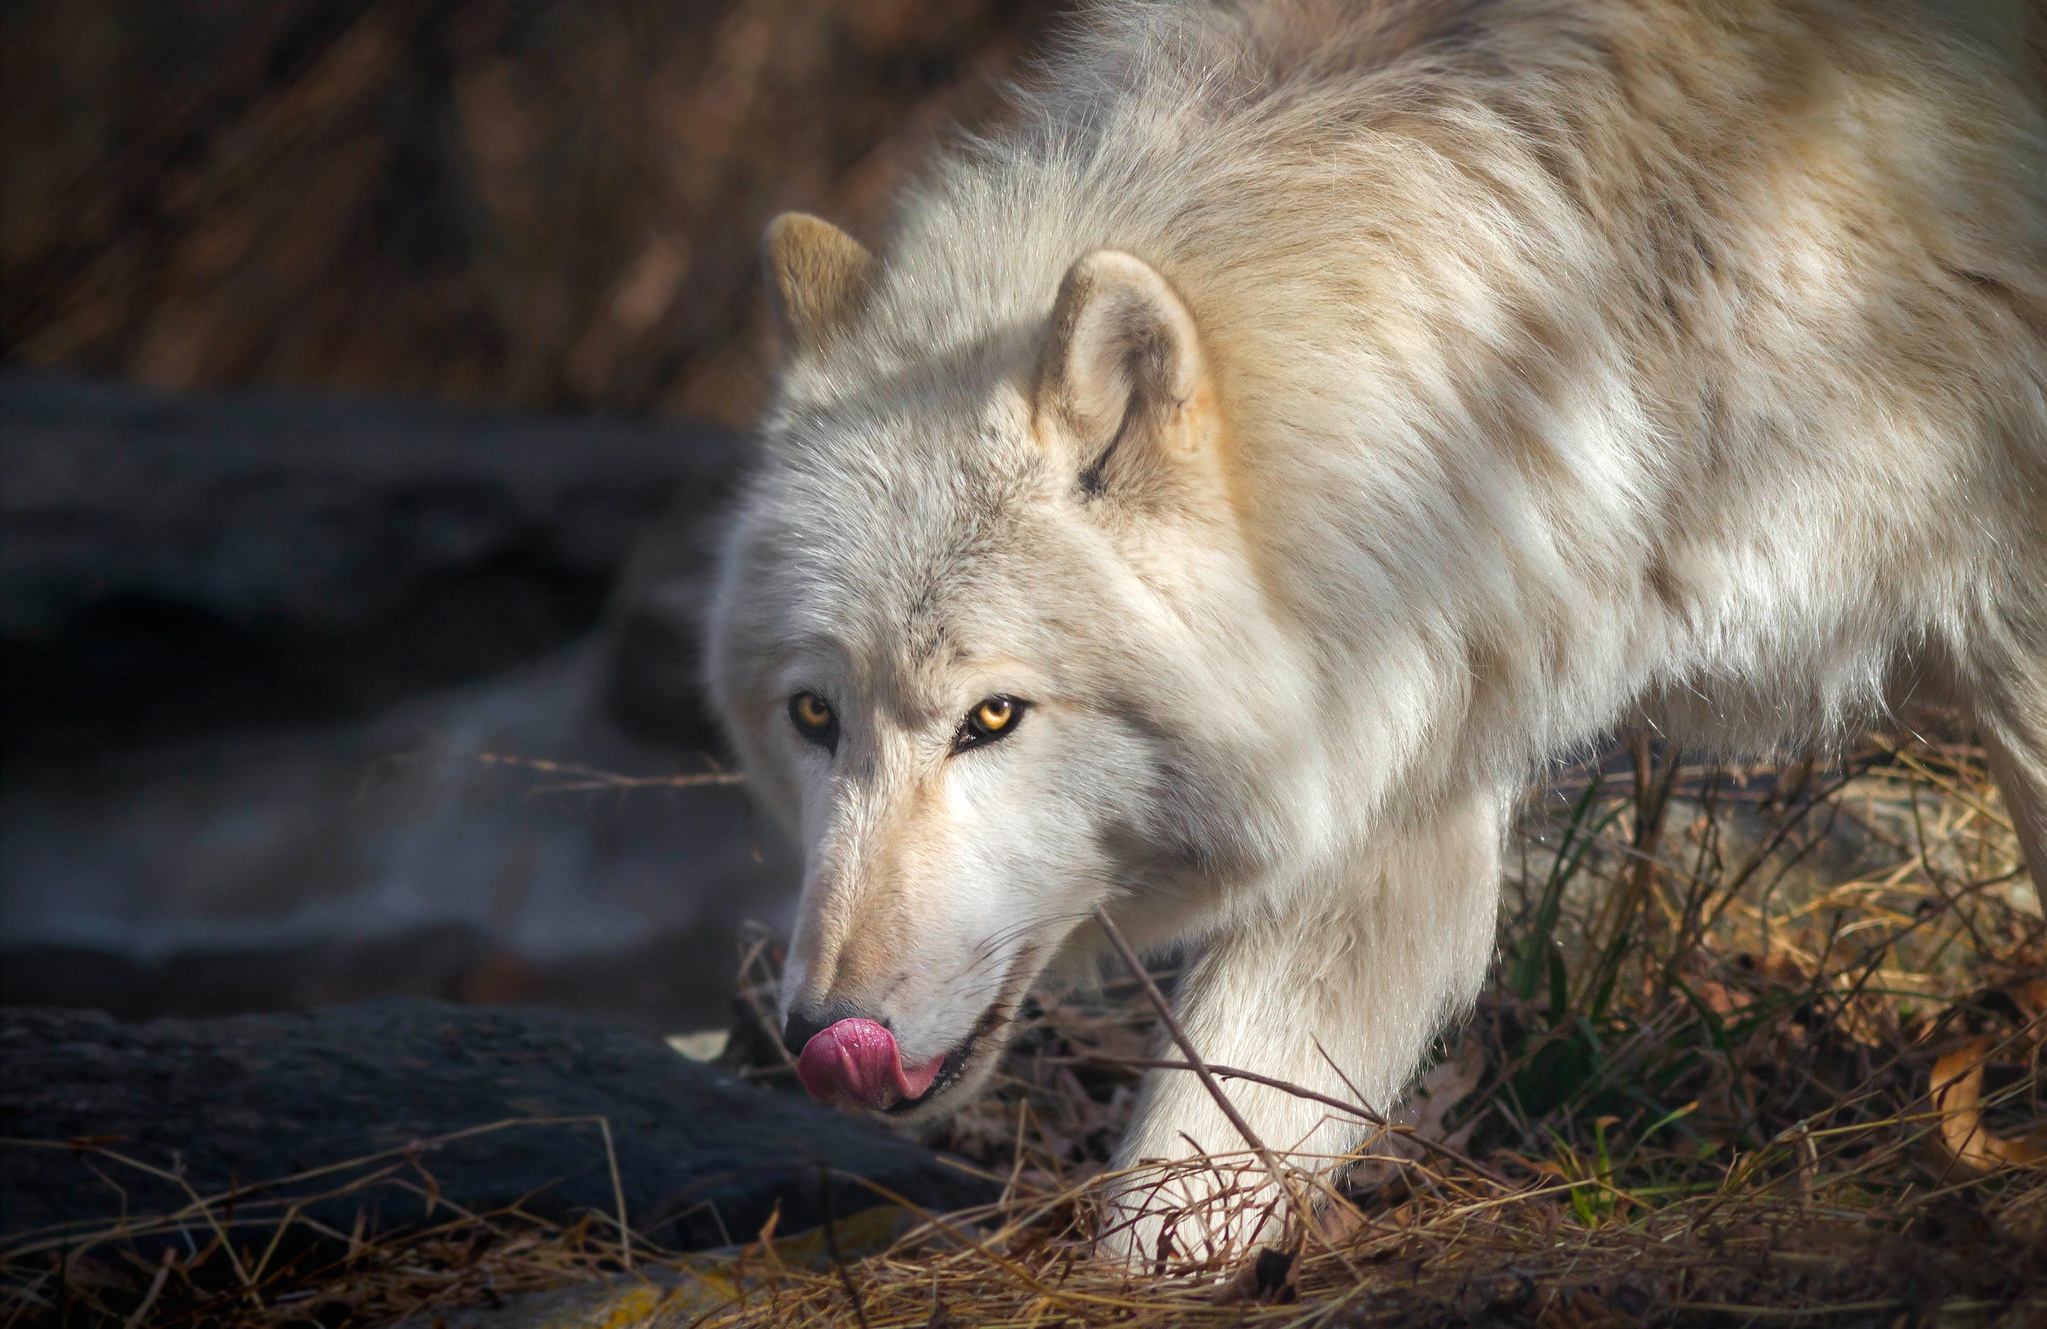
column 549, row 203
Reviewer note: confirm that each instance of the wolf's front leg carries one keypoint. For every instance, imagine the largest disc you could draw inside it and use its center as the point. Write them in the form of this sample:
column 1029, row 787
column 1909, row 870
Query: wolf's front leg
column 1338, row 988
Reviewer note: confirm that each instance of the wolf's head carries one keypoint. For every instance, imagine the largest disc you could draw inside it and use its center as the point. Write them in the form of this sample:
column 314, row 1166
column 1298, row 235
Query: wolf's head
column 989, row 639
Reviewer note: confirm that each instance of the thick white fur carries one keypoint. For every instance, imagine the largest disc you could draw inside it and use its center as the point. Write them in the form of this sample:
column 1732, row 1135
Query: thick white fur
column 1556, row 364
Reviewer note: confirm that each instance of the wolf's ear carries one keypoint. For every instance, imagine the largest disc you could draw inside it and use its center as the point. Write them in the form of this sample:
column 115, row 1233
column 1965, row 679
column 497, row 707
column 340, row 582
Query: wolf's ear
column 1123, row 374
column 818, row 277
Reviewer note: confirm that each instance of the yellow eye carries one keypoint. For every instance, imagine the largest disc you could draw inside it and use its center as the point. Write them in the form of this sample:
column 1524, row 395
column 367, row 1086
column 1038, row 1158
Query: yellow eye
column 990, row 720
column 813, row 717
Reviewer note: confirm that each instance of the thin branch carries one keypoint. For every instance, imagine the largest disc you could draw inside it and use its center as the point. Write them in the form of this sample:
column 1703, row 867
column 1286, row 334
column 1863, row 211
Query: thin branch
column 1186, row 1045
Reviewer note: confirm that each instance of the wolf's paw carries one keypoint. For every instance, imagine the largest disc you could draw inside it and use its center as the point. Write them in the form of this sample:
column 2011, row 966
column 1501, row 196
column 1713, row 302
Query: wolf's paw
column 1189, row 1218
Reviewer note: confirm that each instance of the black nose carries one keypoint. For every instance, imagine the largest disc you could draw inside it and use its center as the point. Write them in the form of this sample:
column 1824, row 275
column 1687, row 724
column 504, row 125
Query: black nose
column 806, row 1022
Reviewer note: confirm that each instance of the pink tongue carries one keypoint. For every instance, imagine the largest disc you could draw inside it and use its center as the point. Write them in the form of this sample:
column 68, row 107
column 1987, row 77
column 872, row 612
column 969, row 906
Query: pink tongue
column 855, row 1061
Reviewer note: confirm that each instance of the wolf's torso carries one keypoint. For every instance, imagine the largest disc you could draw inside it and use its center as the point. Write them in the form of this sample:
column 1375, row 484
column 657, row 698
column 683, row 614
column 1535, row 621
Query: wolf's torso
column 1615, row 354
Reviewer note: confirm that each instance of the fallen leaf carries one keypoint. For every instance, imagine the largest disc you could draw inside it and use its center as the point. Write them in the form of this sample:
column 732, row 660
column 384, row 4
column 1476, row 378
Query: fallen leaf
column 1337, row 1219
column 1269, row 1278
column 1958, row 1098
column 2030, row 996
column 1582, row 1309
column 1448, row 1083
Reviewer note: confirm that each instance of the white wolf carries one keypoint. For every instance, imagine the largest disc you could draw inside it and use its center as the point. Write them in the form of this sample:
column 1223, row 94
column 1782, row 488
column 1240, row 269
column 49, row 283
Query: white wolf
column 1231, row 483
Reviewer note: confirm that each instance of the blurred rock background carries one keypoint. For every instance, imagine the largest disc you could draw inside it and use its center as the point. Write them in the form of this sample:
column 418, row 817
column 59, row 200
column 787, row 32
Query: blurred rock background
column 368, row 370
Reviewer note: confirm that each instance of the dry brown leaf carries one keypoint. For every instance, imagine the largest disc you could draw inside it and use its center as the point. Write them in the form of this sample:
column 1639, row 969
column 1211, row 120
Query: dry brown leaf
column 1958, row 1097
column 1337, row 1220
column 1580, row 1310
column 1270, row 1278
column 2030, row 996
column 1448, row 1083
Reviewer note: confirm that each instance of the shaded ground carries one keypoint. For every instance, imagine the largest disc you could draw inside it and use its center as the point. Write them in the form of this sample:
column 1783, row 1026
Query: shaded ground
column 395, row 855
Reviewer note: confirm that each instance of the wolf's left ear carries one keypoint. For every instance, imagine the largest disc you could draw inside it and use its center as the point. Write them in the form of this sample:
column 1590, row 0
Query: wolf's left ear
column 818, row 277
column 1123, row 374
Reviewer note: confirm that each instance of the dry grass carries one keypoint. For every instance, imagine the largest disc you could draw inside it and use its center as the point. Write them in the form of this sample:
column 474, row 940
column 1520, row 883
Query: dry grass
column 1763, row 1046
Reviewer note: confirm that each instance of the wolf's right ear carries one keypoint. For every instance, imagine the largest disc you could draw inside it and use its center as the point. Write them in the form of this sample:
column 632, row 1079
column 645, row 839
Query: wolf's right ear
column 818, row 277
column 1122, row 376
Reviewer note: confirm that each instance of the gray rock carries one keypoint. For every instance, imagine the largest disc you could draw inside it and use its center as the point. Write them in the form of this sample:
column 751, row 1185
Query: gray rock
column 236, row 1103
column 186, row 560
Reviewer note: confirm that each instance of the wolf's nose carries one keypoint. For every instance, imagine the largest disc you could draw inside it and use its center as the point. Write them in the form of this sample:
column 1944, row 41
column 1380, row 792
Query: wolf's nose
column 807, row 1022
